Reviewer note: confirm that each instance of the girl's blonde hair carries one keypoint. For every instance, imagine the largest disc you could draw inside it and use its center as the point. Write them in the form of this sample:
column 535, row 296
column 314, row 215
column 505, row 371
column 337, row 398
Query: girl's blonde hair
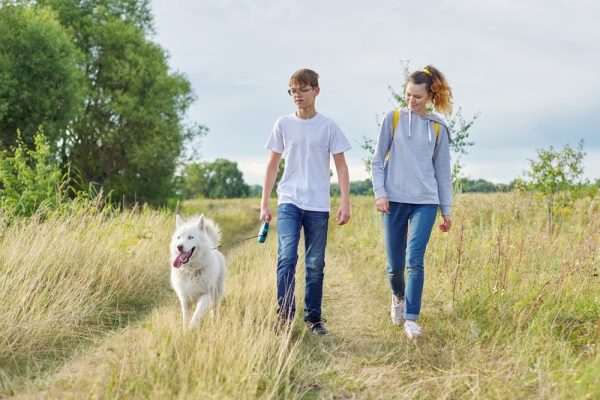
column 436, row 84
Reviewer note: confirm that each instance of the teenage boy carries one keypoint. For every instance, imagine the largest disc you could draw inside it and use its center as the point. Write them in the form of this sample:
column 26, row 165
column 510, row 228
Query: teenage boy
column 305, row 139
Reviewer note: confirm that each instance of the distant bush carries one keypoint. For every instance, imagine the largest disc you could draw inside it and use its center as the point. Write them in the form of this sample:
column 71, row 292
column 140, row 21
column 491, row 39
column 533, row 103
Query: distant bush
column 556, row 177
column 358, row 188
column 29, row 177
column 31, row 181
column 479, row 186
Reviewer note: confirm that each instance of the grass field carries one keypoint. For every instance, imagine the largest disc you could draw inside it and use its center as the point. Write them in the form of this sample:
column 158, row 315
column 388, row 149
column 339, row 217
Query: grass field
column 509, row 312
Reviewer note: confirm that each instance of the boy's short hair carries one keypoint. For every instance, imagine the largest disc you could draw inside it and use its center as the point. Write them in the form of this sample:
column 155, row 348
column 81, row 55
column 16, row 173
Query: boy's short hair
column 304, row 77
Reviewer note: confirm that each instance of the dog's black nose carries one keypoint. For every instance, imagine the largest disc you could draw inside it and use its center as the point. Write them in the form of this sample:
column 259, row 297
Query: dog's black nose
column 180, row 247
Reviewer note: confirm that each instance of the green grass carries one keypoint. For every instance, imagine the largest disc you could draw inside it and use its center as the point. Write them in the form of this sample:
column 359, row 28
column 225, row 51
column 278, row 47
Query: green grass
column 508, row 310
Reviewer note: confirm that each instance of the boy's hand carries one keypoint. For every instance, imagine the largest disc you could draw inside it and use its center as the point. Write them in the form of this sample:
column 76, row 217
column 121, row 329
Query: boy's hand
column 265, row 214
column 382, row 204
column 343, row 215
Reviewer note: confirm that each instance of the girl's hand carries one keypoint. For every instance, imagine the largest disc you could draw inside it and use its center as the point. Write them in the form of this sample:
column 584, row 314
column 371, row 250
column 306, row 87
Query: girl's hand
column 447, row 224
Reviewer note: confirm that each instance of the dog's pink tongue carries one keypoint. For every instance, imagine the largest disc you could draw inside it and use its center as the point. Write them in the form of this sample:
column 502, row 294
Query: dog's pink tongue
column 177, row 261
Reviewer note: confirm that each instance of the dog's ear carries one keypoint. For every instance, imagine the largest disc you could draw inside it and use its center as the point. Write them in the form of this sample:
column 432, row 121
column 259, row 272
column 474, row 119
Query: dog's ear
column 178, row 221
column 201, row 222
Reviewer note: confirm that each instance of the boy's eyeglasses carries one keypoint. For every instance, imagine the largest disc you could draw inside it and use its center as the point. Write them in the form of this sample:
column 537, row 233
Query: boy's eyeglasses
column 301, row 91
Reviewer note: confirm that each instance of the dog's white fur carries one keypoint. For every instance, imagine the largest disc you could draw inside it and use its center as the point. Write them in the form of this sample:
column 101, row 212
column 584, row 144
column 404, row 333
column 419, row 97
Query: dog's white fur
column 198, row 278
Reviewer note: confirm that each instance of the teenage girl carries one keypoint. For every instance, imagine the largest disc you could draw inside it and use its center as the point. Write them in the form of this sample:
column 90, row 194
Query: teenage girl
column 411, row 180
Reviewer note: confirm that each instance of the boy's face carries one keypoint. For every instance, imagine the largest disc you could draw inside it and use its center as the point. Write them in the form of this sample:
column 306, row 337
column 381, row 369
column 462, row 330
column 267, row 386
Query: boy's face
column 303, row 95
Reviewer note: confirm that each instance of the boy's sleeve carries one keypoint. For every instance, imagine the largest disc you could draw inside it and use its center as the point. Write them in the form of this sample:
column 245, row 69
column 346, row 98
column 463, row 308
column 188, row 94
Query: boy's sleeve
column 384, row 142
column 338, row 142
column 442, row 171
column 275, row 142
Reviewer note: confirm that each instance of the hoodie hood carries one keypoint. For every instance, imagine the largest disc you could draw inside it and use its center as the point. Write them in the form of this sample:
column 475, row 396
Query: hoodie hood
column 432, row 118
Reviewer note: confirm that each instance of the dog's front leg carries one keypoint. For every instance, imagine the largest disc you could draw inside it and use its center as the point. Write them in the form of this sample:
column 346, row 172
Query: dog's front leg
column 185, row 311
column 201, row 307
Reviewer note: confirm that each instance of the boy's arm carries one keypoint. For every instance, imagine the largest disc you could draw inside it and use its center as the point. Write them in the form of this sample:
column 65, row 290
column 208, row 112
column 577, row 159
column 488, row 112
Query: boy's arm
column 270, row 176
column 343, row 213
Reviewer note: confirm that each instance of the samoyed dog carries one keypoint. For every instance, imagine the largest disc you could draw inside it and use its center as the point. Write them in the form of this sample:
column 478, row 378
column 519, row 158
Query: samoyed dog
column 197, row 267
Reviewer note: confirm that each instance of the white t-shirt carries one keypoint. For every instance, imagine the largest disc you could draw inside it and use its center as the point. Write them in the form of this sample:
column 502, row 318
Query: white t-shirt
column 306, row 145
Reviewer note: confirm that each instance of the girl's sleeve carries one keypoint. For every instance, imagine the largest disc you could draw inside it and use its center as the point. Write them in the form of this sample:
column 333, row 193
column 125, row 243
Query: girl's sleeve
column 384, row 143
column 443, row 174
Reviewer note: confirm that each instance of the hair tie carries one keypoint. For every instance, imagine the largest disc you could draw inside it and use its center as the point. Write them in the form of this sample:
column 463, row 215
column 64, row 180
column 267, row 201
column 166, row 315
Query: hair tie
column 428, row 72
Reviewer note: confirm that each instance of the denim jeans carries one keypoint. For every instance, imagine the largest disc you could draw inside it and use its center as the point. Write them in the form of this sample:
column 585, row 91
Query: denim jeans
column 290, row 219
column 407, row 228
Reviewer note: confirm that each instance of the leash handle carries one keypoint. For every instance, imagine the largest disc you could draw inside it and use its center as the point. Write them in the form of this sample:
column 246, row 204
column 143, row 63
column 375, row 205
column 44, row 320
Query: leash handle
column 263, row 231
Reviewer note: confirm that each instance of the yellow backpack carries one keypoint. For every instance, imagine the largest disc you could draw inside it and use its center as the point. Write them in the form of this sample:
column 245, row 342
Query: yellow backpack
column 436, row 127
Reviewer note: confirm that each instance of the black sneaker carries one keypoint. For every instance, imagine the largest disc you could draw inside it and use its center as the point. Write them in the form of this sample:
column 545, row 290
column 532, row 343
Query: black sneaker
column 317, row 328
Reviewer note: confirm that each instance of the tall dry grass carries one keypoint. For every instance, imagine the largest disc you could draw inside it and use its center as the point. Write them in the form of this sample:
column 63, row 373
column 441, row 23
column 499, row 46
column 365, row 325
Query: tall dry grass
column 69, row 278
column 234, row 353
column 508, row 312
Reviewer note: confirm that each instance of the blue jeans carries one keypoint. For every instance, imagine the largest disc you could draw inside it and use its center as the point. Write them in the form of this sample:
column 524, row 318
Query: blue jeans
column 290, row 219
column 406, row 246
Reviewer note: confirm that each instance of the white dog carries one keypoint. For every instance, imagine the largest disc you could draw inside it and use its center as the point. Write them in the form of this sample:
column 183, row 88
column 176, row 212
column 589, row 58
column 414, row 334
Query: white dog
column 198, row 268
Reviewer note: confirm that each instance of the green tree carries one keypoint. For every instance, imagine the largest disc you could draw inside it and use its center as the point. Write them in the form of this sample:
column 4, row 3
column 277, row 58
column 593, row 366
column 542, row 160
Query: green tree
column 220, row 179
column 40, row 82
column 192, row 178
column 255, row 191
column 130, row 134
column 556, row 176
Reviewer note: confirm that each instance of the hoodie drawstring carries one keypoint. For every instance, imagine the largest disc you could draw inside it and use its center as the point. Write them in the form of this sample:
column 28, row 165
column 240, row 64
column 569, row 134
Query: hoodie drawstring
column 429, row 129
column 409, row 124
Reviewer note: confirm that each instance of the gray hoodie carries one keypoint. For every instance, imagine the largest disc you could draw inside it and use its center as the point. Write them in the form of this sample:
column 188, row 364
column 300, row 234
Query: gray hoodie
column 418, row 170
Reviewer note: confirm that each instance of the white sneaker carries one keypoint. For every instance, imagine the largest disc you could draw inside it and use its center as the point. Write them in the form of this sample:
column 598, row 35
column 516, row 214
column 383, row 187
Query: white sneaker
column 412, row 329
column 397, row 311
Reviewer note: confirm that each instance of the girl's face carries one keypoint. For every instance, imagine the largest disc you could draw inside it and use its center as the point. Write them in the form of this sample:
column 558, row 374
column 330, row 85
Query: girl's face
column 416, row 96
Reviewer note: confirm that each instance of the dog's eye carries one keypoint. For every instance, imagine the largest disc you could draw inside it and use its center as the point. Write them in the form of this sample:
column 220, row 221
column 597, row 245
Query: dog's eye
column 190, row 237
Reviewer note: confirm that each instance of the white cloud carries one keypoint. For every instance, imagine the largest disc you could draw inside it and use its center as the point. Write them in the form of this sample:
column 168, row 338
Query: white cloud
column 528, row 66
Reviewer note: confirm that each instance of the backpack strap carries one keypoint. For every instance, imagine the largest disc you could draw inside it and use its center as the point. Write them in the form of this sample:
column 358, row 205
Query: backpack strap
column 436, row 127
column 394, row 126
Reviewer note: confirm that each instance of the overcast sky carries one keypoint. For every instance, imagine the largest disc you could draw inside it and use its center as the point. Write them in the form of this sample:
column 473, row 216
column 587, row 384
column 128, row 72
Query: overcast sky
column 529, row 67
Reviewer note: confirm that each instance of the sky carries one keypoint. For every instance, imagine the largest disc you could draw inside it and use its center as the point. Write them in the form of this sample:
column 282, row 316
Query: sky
column 528, row 68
